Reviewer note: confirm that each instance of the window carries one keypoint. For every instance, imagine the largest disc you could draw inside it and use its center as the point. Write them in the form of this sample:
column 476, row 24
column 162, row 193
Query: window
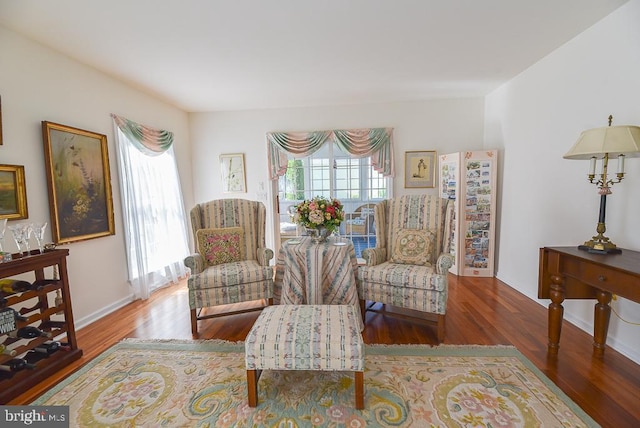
column 330, row 172
column 154, row 219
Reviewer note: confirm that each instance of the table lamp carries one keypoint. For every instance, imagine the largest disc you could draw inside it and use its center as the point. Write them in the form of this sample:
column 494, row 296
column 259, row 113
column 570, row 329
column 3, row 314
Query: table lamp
column 604, row 143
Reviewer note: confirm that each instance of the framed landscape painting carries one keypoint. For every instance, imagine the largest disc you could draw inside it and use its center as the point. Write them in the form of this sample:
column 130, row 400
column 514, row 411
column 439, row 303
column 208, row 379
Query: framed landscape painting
column 79, row 183
column 13, row 193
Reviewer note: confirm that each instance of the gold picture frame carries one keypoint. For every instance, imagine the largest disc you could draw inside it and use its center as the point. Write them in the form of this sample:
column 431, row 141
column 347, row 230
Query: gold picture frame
column 419, row 169
column 13, row 193
column 233, row 173
column 79, row 183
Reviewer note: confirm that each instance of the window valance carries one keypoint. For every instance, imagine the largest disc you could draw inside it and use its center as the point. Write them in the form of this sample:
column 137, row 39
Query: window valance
column 374, row 142
column 152, row 142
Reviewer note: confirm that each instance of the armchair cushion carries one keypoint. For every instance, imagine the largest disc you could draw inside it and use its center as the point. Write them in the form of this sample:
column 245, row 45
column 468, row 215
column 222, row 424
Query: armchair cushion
column 228, row 274
column 230, row 283
column 403, row 277
column 221, row 245
column 413, row 247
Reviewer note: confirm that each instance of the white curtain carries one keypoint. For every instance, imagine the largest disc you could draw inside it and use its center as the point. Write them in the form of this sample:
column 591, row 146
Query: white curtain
column 154, row 218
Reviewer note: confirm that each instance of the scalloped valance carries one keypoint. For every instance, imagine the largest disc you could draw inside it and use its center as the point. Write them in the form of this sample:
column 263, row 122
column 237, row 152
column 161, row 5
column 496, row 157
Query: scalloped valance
column 374, row 142
column 152, row 142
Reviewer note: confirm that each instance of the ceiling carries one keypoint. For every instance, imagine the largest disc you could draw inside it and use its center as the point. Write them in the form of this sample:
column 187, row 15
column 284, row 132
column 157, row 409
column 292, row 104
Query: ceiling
column 212, row 55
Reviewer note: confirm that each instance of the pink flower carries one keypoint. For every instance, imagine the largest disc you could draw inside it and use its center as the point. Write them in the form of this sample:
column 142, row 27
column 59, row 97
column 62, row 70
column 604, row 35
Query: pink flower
column 502, row 419
column 316, row 419
column 356, row 422
column 227, row 419
column 337, row 413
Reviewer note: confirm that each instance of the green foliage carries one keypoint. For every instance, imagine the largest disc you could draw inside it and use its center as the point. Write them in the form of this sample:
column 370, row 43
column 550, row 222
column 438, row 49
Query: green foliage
column 295, row 180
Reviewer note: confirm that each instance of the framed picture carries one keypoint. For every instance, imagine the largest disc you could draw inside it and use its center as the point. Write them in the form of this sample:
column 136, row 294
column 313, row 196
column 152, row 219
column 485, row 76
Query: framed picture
column 13, row 192
column 419, row 169
column 79, row 183
column 233, row 175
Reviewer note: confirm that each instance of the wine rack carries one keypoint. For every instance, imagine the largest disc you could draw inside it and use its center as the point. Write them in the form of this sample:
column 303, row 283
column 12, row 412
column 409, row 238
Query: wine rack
column 36, row 305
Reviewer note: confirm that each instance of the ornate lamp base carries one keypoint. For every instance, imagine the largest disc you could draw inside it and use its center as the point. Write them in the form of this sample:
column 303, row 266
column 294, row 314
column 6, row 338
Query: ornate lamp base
column 599, row 251
column 600, row 244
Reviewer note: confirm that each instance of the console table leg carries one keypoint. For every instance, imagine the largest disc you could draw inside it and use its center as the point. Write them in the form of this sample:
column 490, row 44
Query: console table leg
column 556, row 312
column 602, row 314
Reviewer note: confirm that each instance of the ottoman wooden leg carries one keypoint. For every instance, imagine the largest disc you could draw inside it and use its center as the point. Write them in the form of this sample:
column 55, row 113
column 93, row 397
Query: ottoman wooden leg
column 252, row 387
column 359, row 385
column 194, row 323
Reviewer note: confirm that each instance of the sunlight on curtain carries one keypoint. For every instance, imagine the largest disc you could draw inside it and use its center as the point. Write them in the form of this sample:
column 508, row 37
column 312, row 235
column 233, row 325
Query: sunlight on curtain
column 154, row 218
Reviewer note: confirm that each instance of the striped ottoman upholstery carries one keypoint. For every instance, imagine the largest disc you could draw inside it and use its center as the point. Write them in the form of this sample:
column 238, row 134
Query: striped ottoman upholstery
column 305, row 337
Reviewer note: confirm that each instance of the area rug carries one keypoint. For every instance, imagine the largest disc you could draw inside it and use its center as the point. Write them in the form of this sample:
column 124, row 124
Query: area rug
column 203, row 384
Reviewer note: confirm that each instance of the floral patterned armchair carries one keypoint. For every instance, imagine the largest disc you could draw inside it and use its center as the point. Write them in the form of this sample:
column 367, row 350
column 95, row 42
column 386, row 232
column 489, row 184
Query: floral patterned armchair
column 408, row 268
column 231, row 264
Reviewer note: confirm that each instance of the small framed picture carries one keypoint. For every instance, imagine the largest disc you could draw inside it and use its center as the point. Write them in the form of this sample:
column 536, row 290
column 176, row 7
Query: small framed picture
column 419, row 169
column 13, row 192
column 79, row 183
column 233, row 173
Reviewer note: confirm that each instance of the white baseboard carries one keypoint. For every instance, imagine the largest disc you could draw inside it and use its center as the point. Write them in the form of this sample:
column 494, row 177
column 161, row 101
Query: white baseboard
column 587, row 327
column 632, row 354
column 83, row 322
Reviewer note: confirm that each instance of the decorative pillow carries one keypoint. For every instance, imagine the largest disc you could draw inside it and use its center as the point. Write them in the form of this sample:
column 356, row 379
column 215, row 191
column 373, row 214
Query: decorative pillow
column 413, row 247
column 218, row 246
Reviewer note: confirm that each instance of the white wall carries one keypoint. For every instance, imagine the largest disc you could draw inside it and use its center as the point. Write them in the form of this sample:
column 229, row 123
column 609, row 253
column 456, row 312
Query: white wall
column 546, row 200
column 441, row 125
column 39, row 84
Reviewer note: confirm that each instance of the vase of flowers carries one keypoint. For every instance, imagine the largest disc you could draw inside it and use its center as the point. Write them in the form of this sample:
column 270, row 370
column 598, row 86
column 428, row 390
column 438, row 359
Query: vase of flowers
column 320, row 216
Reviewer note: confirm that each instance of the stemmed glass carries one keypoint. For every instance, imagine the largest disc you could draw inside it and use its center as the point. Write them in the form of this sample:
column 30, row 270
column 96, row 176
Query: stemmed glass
column 38, row 232
column 21, row 233
column 3, row 225
column 337, row 238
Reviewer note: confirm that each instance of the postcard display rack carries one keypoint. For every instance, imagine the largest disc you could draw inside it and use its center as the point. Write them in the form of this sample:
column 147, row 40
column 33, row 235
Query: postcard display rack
column 469, row 179
column 49, row 309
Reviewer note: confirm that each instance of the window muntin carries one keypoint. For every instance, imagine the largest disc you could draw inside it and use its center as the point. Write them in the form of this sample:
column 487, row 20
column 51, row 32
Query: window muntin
column 330, row 172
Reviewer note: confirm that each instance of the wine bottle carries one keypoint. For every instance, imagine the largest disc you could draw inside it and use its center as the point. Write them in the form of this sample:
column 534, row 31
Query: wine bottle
column 7, row 351
column 11, row 286
column 16, row 364
column 47, row 348
column 18, row 316
column 39, row 284
column 28, row 332
column 32, row 357
column 64, row 346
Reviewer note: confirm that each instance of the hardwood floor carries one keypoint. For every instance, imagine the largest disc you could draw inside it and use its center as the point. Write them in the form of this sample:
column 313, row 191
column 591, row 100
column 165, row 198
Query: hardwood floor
column 481, row 311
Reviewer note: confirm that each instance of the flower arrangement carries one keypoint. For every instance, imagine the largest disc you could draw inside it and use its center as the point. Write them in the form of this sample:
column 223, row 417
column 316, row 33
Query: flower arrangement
column 319, row 212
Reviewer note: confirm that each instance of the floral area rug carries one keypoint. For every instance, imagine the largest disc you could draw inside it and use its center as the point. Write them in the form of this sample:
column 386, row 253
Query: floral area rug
column 203, row 384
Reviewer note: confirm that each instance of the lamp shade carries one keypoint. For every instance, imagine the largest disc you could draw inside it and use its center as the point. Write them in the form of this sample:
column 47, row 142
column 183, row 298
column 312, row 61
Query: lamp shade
column 613, row 140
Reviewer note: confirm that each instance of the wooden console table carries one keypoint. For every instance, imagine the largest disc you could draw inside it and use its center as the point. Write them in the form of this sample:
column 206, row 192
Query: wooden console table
column 569, row 273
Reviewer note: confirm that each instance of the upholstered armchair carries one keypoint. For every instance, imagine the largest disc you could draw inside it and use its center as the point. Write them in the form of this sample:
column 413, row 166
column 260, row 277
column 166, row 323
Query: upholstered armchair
column 408, row 268
column 231, row 264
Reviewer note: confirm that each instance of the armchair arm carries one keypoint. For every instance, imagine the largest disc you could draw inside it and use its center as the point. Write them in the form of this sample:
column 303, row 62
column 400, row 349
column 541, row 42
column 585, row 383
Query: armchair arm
column 264, row 255
column 195, row 262
column 445, row 261
column 374, row 256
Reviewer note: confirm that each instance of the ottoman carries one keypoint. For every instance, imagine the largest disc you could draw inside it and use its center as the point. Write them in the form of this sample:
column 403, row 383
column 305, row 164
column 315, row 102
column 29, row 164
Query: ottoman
column 305, row 337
